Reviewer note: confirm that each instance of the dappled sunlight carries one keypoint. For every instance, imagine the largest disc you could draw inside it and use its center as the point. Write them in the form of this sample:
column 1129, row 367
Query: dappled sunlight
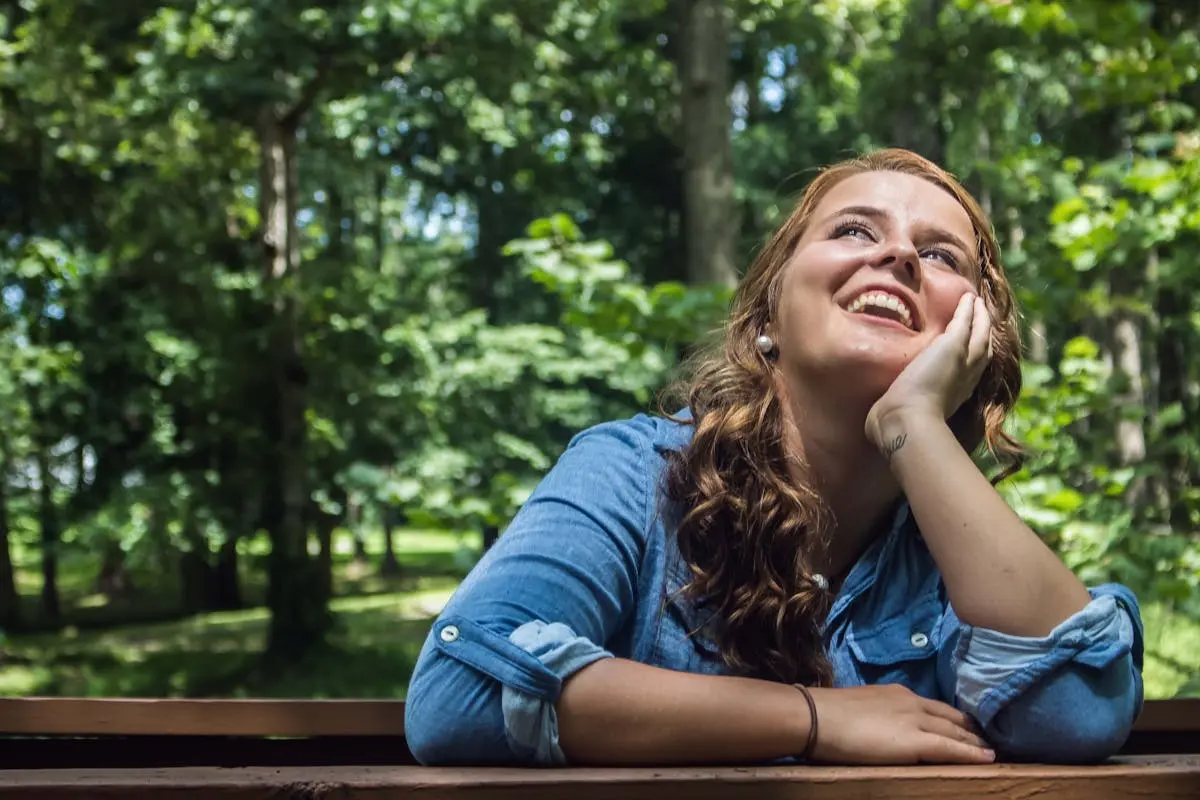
column 1172, row 653
column 96, row 600
column 375, row 641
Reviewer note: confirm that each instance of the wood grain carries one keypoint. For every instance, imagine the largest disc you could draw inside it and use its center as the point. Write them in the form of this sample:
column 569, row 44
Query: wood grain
column 68, row 716
column 53, row 716
column 1163, row 778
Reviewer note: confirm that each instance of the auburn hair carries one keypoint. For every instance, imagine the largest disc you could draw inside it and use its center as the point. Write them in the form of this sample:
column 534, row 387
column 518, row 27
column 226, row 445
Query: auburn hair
column 747, row 529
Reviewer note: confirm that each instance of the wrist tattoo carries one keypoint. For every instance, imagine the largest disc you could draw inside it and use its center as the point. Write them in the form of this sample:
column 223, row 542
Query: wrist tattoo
column 890, row 448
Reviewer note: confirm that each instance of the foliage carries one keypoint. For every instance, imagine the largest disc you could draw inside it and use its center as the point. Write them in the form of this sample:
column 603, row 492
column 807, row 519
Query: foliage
column 482, row 220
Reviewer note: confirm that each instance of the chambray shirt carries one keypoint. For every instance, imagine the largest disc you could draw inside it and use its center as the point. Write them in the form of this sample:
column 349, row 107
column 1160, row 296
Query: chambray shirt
column 587, row 570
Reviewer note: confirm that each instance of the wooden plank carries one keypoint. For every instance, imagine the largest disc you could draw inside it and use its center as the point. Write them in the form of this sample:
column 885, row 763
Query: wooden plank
column 69, row 716
column 1170, row 716
column 1162, row 778
column 144, row 752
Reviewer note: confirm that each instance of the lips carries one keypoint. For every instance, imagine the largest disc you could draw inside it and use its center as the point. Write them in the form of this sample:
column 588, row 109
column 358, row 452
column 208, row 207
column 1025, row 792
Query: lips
column 885, row 305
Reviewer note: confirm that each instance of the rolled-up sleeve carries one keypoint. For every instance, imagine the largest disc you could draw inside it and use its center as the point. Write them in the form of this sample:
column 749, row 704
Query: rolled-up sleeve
column 536, row 609
column 1071, row 696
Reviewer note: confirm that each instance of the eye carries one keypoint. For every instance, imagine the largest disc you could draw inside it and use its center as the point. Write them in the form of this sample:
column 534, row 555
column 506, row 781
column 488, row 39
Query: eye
column 853, row 228
column 947, row 257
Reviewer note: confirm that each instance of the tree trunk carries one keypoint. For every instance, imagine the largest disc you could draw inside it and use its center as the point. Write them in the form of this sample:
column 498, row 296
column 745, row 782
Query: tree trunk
column 193, row 562
column 224, row 589
column 710, row 218
column 354, row 521
column 1173, row 343
column 299, row 615
column 917, row 122
column 326, row 523
column 1128, row 373
column 390, row 566
column 10, row 606
column 1038, row 343
column 491, row 534
column 113, row 580
column 50, row 535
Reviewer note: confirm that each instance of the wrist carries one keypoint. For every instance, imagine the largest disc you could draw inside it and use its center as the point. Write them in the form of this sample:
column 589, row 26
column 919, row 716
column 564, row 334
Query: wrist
column 811, row 730
column 890, row 429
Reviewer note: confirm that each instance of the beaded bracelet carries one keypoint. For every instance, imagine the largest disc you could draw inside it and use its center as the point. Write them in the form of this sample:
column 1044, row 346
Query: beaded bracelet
column 812, row 728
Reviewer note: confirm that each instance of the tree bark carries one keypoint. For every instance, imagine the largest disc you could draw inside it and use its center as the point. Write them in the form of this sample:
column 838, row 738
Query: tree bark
column 390, row 566
column 1173, row 337
column 299, row 615
column 47, row 517
column 354, row 523
column 710, row 218
column 1128, row 373
column 225, row 592
column 113, row 580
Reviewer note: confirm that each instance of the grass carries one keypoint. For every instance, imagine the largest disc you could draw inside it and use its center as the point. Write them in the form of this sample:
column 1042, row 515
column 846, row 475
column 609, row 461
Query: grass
column 370, row 654
column 380, row 626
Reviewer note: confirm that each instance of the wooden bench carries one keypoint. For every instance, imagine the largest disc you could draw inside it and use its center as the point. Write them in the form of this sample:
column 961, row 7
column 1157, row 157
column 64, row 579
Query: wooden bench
column 258, row 749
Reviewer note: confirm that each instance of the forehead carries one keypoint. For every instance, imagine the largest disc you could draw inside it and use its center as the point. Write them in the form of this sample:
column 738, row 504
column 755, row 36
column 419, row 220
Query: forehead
column 907, row 198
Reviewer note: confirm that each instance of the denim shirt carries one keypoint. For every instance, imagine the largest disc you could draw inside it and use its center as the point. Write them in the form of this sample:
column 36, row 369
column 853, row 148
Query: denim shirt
column 587, row 570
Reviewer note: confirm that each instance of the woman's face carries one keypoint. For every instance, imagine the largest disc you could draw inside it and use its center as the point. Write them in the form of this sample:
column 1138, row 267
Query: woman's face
column 875, row 278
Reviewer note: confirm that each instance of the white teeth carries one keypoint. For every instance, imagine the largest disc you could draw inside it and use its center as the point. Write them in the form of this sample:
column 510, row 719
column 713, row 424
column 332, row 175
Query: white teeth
column 882, row 300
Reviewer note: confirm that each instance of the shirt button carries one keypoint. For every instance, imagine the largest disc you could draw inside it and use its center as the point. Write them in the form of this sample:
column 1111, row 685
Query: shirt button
column 918, row 639
column 449, row 634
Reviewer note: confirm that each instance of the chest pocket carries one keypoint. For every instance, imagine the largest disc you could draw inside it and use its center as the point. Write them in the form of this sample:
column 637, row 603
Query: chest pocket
column 901, row 649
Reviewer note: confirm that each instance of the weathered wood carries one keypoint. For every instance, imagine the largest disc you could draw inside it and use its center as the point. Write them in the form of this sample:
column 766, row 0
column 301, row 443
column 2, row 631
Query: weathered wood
column 144, row 752
column 1174, row 778
column 69, row 716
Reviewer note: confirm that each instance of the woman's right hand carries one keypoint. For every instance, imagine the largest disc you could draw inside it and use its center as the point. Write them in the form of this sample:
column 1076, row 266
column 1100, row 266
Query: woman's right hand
column 889, row 724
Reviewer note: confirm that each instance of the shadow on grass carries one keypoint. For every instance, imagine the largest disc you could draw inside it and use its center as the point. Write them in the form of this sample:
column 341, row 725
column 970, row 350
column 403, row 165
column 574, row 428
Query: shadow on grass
column 157, row 596
column 370, row 653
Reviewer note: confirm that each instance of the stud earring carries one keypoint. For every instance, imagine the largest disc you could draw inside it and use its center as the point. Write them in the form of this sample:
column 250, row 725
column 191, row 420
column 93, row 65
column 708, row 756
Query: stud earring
column 765, row 344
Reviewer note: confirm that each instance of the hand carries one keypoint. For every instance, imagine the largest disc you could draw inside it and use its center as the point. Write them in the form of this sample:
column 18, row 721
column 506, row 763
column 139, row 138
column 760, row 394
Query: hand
column 941, row 377
column 889, row 724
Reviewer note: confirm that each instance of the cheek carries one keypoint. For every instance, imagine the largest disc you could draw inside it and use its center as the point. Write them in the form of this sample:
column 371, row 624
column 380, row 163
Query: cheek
column 944, row 299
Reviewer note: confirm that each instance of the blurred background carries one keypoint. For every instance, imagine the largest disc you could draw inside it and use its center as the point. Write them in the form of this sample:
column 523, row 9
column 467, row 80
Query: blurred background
column 299, row 300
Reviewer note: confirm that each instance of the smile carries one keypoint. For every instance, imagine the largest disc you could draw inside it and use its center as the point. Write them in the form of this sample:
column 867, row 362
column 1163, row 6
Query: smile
column 884, row 306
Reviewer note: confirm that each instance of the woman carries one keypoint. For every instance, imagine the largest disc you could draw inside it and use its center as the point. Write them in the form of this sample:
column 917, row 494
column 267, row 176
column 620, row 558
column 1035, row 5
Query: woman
column 807, row 563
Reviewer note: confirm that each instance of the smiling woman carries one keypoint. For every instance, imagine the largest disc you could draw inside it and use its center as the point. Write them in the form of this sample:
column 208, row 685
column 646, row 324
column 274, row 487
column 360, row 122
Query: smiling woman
column 804, row 562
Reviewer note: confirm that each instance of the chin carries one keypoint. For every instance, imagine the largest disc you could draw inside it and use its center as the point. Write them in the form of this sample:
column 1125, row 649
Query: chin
column 855, row 380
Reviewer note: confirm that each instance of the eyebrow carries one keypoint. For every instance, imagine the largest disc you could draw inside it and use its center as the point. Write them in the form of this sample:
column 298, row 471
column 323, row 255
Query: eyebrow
column 879, row 214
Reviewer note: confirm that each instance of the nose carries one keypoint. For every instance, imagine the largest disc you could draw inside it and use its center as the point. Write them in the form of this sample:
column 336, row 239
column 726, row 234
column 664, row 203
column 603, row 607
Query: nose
column 902, row 259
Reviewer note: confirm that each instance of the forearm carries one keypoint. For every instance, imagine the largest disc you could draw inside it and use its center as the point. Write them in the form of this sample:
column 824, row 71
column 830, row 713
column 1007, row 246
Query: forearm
column 621, row 712
column 998, row 573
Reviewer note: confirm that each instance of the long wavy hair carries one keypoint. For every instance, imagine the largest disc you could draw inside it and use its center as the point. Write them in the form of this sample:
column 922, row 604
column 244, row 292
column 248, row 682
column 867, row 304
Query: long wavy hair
column 746, row 528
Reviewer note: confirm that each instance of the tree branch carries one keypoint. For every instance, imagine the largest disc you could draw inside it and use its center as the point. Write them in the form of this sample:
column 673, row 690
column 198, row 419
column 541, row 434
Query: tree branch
column 308, row 95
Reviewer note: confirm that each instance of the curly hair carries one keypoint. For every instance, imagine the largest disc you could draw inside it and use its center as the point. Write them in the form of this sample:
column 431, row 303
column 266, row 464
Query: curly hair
column 747, row 529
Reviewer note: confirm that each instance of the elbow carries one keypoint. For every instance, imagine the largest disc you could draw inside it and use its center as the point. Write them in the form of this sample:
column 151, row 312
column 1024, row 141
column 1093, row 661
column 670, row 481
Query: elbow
column 1081, row 716
column 452, row 716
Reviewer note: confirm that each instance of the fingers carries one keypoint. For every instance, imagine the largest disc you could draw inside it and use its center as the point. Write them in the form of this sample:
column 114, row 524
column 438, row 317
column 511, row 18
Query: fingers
column 946, row 728
column 942, row 750
column 960, row 323
column 937, row 708
column 979, row 346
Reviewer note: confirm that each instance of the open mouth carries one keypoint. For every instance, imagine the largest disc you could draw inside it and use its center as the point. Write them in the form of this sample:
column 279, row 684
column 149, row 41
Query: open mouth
column 884, row 306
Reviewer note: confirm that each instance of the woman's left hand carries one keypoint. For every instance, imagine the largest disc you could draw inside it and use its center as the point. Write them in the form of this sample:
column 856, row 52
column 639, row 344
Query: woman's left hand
column 941, row 377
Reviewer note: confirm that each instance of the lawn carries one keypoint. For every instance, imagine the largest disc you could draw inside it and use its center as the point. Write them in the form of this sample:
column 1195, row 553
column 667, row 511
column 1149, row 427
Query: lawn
column 380, row 626
column 124, row 648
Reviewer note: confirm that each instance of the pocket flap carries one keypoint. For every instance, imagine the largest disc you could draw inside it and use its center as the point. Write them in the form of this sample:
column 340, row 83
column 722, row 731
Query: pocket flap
column 906, row 638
